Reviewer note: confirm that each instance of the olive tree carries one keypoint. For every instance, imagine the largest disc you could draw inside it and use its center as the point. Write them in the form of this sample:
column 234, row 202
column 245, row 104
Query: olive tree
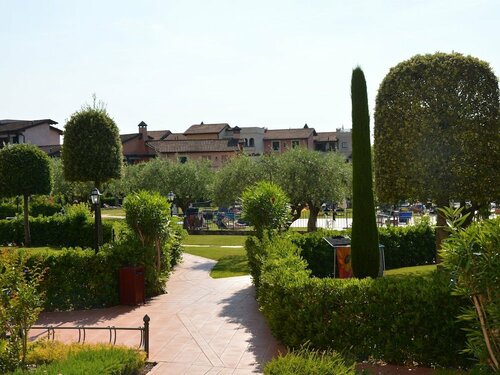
column 310, row 178
column 92, row 149
column 239, row 173
column 25, row 170
column 437, row 132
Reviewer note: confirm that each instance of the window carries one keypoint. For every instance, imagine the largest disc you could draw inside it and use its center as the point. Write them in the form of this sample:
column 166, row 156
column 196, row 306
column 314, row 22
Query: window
column 206, row 157
column 344, row 144
column 251, row 142
column 276, row 145
column 182, row 159
column 295, row 143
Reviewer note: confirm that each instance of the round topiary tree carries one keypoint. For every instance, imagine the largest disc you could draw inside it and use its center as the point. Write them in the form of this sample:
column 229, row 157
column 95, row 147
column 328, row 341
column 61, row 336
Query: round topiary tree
column 92, row 149
column 25, row 170
column 437, row 132
column 364, row 242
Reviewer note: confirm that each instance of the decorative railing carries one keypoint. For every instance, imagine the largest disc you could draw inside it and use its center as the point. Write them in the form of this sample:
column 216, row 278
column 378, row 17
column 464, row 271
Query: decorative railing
column 82, row 332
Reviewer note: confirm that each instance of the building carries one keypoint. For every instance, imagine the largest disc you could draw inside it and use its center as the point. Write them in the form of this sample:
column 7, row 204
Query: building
column 38, row 132
column 218, row 142
column 135, row 148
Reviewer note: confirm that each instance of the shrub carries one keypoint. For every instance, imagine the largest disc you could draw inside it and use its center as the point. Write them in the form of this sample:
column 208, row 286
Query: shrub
column 8, row 210
column 472, row 255
column 57, row 358
column 58, row 230
column 305, row 362
column 20, row 304
column 265, row 206
column 408, row 246
column 43, row 205
column 148, row 215
column 396, row 319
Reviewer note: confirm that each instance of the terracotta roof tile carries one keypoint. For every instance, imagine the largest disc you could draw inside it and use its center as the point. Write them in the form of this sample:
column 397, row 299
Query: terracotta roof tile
column 212, row 145
column 206, row 128
column 17, row 125
column 326, row 136
column 289, row 133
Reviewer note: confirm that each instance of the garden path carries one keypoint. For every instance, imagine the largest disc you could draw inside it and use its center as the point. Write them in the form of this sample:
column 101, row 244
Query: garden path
column 201, row 326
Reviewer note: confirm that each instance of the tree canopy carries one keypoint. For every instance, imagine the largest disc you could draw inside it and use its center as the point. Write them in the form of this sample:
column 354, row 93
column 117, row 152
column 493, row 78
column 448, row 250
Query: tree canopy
column 312, row 178
column 25, row 170
column 437, row 130
column 92, row 148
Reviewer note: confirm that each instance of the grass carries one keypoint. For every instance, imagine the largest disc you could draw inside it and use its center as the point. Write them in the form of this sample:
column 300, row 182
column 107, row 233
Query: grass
column 113, row 211
column 54, row 358
column 231, row 261
column 422, row 270
column 215, row 240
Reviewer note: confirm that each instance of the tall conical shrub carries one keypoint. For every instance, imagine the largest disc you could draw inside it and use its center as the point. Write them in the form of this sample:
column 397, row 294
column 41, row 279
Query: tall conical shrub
column 364, row 242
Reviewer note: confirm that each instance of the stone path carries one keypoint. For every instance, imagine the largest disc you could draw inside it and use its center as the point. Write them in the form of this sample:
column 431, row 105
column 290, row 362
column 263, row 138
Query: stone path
column 201, row 326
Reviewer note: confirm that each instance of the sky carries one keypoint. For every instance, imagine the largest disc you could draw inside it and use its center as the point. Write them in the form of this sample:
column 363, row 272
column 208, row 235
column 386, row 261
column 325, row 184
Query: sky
column 275, row 63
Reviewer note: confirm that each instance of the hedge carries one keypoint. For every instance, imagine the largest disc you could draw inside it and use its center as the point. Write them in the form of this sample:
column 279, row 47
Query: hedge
column 403, row 247
column 58, row 230
column 82, row 279
column 395, row 319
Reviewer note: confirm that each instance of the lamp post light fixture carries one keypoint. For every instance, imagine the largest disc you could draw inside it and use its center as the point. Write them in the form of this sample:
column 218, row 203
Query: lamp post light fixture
column 170, row 198
column 95, row 198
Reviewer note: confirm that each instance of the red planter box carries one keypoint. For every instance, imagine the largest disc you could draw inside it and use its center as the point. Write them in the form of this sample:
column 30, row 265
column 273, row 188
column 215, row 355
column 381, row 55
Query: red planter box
column 132, row 286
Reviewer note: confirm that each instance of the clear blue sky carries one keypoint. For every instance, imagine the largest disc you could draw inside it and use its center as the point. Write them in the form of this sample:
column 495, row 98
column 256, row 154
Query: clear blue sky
column 268, row 63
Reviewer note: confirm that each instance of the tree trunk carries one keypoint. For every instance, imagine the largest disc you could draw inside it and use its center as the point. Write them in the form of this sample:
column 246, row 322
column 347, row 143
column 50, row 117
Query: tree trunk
column 27, row 234
column 313, row 216
column 441, row 233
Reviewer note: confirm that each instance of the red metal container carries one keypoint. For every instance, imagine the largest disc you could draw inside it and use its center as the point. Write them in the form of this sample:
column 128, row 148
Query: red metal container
column 132, row 286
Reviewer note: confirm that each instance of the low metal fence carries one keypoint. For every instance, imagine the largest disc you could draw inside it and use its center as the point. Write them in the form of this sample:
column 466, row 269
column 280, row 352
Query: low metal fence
column 82, row 331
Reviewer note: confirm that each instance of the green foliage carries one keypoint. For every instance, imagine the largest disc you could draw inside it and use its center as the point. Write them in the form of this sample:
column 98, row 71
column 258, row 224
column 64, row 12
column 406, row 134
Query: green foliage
column 9, row 210
column 473, row 258
column 55, row 358
column 20, row 304
column 437, row 130
column 239, row 173
column 25, row 170
column 265, row 206
column 44, row 205
column 364, row 243
column 412, row 245
column 92, row 148
column 396, row 319
column 312, row 178
column 69, row 191
column 309, row 362
column 57, row 230
column 148, row 215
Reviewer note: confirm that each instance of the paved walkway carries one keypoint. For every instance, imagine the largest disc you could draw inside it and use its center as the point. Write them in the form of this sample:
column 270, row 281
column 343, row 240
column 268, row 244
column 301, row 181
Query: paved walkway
column 201, row 326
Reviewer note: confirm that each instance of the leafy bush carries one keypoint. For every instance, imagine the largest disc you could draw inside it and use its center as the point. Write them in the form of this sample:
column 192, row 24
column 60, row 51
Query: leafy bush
column 305, row 362
column 265, row 206
column 58, row 230
column 54, row 358
column 148, row 215
column 20, row 304
column 9, row 210
column 43, row 205
column 408, row 246
column 396, row 319
column 472, row 255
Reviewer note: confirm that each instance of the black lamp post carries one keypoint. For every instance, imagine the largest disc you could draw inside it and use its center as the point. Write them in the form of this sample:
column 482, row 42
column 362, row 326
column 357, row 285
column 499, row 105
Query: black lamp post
column 171, row 197
column 95, row 197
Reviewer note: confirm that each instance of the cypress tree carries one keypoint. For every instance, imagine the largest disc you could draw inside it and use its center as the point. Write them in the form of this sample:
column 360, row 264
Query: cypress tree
column 364, row 243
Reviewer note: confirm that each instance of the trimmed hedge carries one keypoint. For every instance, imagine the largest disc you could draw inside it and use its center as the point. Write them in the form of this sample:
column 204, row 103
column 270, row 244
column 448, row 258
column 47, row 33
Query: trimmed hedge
column 82, row 279
column 396, row 319
column 403, row 247
column 58, row 230
column 412, row 245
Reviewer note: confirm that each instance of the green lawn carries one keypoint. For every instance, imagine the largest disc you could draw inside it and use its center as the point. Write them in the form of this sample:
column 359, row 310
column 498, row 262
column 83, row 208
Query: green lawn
column 113, row 212
column 232, row 261
column 411, row 270
column 214, row 240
